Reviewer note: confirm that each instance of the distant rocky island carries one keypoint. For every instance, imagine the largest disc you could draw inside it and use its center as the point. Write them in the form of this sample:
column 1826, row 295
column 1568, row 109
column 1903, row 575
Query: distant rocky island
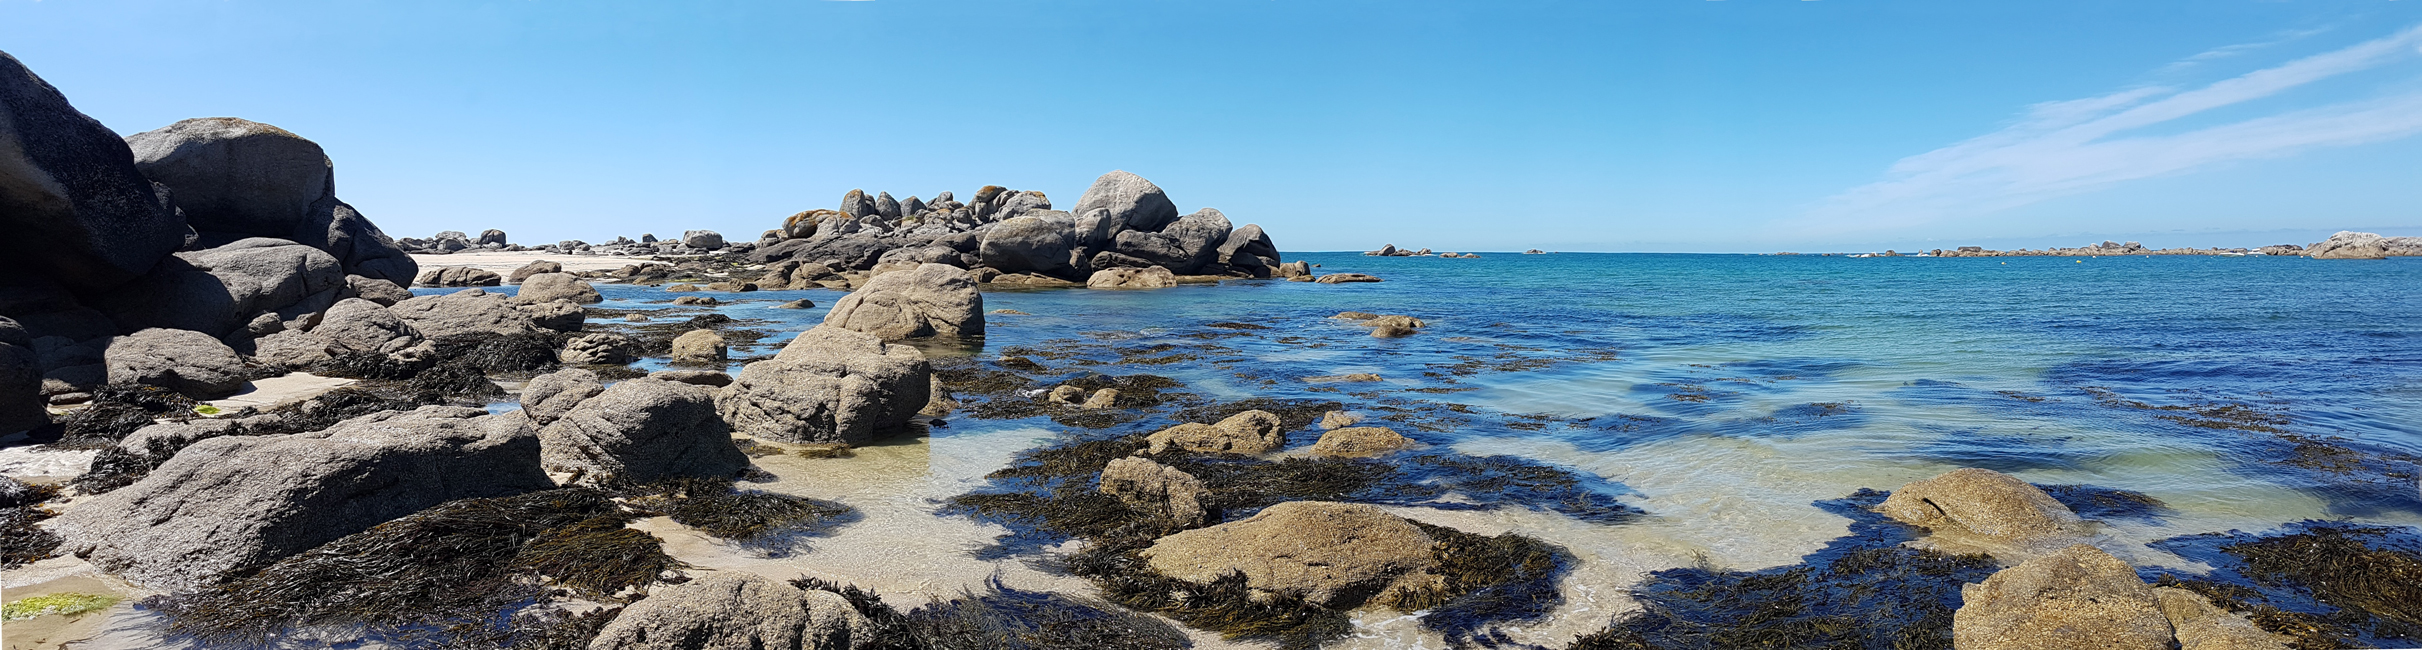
column 2345, row 245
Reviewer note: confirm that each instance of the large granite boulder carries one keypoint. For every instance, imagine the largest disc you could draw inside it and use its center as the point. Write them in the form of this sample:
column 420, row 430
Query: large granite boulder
column 642, row 431
column 829, row 385
column 730, row 610
column 1198, row 236
column 545, row 287
column 1250, row 432
column 1249, row 248
column 1160, row 491
column 1135, row 203
column 1981, row 502
column 560, row 315
column 1330, row 554
column 1352, row 441
column 217, row 290
column 702, row 239
column 188, row 362
column 933, row 300
column 533, row 268
column 1152, row 277
column 856, row 204
column 470, row 311
column 238, row 176
column 235, row 503
column 803, row 225
column 1031, row 244
column 21, row 403
column 71, row 195
column 2079, row 597
column 383, row 292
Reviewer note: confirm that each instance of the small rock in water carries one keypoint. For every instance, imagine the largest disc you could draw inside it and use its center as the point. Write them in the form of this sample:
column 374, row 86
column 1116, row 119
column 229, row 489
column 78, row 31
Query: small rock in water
column 801, row 303
column 1250, row 432
column 704, row 301
column 1343, row 278
column 1360, row 441
column 1338, row 420
column 699, row 347
column 1162, row 491
column 1101, row 399
column 1983, row 502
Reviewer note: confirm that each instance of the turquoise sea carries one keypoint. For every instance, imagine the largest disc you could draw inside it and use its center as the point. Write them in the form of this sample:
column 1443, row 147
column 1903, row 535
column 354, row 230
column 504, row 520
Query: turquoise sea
column 1722, row 395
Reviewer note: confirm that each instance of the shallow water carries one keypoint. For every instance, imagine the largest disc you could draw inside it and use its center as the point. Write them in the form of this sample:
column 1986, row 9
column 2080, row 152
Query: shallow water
column 1720, row 394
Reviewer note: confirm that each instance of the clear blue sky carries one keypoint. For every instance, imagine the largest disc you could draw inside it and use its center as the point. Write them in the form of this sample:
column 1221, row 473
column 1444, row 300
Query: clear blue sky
column 1742, row 125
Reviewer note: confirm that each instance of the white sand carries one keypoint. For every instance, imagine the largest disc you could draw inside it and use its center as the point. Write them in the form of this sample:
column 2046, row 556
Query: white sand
column 503, row 263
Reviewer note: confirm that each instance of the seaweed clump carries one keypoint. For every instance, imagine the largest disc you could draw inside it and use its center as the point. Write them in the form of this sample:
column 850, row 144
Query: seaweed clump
column 454, row 571
column 1292, row 413
column 715, row 507
column 2323, row 584
column 1863, row 590
column 118, row 410
column 22, row 542
column 502, row 354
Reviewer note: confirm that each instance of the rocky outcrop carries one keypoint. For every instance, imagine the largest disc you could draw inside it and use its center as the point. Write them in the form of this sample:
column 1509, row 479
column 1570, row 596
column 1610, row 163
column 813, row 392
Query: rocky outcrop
column 1360, row 441
column 547, row 397
column 1132, row 202
column 1330, row 554
column 703, row 239
column 2079, row 597
column 234, row 503
column 727, row 610
column 184, row 361
column 1157, row 490
column 559, row 315
column 544, row 287
column 828, row 385
column 215, row 291
column 1031, row 244
column 70, row 186
column 1154, row 277
column 21, row 402
column 1981, row 502
column 470, row 311
column 2348, row 245
column 379, row 291
column 933, row 300
column 699, row 347
column 1250, row 432
column 251, row 179
column 642, row 431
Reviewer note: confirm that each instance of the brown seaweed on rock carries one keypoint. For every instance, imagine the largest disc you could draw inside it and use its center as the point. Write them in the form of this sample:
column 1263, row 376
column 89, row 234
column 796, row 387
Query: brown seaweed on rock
column 455, row 571
column 716, row 507
column 21, row 541
column 2323, row 584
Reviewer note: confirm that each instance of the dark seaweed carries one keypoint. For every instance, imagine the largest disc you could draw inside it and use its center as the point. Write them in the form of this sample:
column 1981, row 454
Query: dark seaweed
column 1292, row 413
column 494, row 353
column 22, row 542
column 1011, row 619
column 102, row 425
column 715, row 507
column 455, row 569
column 2325, row 584
column 2093, row 502
column 1863, row 590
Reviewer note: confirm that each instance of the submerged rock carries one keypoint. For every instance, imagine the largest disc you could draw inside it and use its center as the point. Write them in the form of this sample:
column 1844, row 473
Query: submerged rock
column 1157, row 490
column 730, row 610
column 1250, row 432
column 933, row 300
column 2079, row 597
column 829, row 384
column 1331, row 554
column 1343, row 278
column 642, row 431
column 235, row 503
column 1983, row 502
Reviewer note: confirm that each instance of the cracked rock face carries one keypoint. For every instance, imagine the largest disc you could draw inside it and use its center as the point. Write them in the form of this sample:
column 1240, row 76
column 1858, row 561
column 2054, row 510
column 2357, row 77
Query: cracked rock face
column 641, row 431
column 932, row 300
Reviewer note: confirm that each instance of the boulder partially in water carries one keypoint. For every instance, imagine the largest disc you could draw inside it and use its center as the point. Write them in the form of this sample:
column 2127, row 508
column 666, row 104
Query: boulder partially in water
column 700, row 347
column 1152, row 277
column 642, row 431
column 1250, row 432
column 829, row 385
column 1360, row 441
column 1159, row 491
column 544, row 287
column 933, row 300
column 600, row 348
column 1331, row 554
column 2349, row 245
column 2079, row 597
column 1983, row 502
column 730, row 610
column 534, row 268
column 235, row 503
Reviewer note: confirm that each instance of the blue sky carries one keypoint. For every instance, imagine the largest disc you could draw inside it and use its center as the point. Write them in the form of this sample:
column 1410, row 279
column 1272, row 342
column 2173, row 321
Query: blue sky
column 1636, row 125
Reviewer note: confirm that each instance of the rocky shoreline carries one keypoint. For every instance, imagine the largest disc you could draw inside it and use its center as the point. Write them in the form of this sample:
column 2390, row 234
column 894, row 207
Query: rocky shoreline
column 2345, row 245
column 404, row 505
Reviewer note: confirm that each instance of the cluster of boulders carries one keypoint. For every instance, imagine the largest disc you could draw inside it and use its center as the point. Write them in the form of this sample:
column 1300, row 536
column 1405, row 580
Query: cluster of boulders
column 2344, row 245
column 1123, row 224
column 2061, row 592
column 1391, row 250
column 166, row 254
column 694, row 242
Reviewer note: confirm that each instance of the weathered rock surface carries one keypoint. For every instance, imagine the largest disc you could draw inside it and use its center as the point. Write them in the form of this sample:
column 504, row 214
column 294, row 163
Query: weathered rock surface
column 703, row 239
column 379, row 291
column 1155, row 489
column 358, row 325
column 1135, row 203
column 184, row 361
column 215, row 291
column 1982, row 502
column 2348, row 245
column 235, row 503
column 2079, row 597
column 829, row 385
column 1250, row 432
column 238, row 176
column 1154, row 277
column 544, row 287
column 601, row 348
column 69, row 186
column 699, row 347
column 1332, row 554
column 2200, row 625
column 728, row 610
column 21, row 402
column 1360, row 441
column 459, row 276
column 933, row 300
column 470, row 311
column 559, row 315
column 1334, row 420
column 1035, row 244
column 547, row 397
column 642, row 431
column 534, row 268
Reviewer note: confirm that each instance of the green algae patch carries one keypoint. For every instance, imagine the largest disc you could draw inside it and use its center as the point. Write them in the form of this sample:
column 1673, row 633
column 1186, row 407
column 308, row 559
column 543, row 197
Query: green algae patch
column 455, row 571
column 66, row 604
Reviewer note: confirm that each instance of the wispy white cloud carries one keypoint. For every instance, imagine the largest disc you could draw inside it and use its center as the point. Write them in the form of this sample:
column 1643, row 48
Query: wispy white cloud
column 2067, row 147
